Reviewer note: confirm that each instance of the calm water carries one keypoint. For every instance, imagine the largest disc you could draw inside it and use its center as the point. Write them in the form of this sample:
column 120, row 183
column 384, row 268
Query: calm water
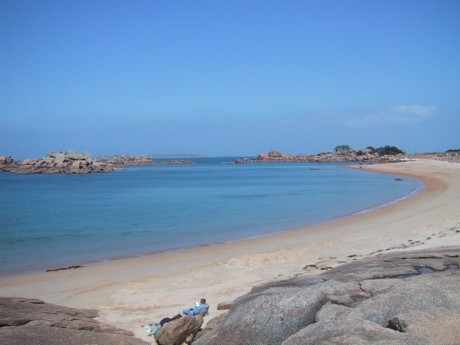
column 59, row 220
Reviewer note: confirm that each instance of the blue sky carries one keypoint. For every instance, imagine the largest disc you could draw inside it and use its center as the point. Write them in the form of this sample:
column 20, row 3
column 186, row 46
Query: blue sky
column 228, row 77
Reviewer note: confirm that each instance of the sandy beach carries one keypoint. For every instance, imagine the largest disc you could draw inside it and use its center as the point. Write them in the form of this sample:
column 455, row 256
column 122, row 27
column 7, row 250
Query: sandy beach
column 131, row 292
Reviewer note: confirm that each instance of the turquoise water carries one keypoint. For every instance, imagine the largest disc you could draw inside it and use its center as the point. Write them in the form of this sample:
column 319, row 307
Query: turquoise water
column 60, row 220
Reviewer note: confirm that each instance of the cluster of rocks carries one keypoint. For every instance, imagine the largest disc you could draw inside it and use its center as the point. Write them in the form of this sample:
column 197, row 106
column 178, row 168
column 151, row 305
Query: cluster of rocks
column 274, row 157
column 65, row 162
column 175, row 162
column 34, row 322
column 407, row 298
column 6, row 163
column 72, row 162
column 365, row 155
column 128, row 160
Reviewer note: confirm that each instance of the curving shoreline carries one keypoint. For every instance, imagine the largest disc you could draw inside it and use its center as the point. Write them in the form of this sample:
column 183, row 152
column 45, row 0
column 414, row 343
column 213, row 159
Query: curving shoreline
column 308, row 197
column 132, row 291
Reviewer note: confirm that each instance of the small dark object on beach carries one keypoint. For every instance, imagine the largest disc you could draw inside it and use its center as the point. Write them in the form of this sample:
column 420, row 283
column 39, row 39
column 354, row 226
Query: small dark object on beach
column 63, row 268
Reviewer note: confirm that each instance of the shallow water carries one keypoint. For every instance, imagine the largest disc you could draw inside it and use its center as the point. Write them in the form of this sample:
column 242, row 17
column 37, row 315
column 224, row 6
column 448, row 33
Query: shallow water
column 57, row 220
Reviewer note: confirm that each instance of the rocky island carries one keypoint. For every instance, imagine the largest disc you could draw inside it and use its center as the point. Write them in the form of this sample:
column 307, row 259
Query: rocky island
column 129, row 160
column 72, row 162
column 65, row 162
column 343, row 153
column 126, row 160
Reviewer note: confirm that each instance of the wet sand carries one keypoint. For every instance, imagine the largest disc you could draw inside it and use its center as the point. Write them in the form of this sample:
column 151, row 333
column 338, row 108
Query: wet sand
column 131, row 292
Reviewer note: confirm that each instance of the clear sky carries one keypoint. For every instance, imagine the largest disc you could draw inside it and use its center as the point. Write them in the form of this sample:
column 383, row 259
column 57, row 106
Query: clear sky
column 228, row 77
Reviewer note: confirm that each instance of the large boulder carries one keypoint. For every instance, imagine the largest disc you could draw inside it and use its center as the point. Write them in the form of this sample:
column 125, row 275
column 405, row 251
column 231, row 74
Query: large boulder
column 271, row 314
column 34, row 322
column 352, row 332
column 398, row 298
column 177, row 331
column 209, row 333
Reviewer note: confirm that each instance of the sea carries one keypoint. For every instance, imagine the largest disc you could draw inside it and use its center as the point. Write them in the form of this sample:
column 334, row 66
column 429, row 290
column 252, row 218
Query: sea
column 52, row 221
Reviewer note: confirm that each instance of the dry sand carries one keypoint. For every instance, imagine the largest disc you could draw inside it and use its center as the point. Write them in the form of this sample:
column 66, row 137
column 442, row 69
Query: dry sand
column 131, row 292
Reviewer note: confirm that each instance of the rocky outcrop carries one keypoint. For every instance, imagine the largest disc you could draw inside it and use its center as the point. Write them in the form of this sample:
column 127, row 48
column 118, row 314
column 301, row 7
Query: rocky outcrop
column 71, row 162
column 224, row 305
column 127, row 161
column 175, row 162
column 179, row 331
column 276, row 156
column 65, row 162
column 397, row 298
column 339, row 156
column 6, row 163
column 34, row 322
column 210, row 332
